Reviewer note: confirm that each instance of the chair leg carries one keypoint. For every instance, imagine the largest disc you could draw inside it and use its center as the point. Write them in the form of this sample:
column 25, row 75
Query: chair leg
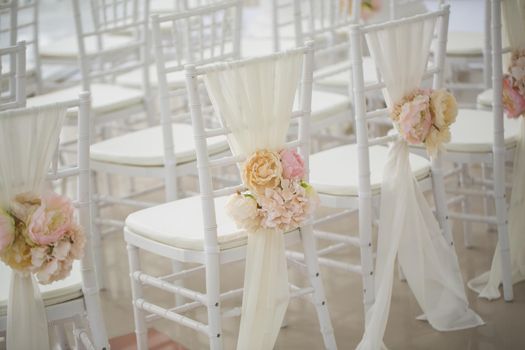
column 310, row 256
column 141, row 330
column 61, row 337
column 96, row 234
column 465, row 206
column 213, row 291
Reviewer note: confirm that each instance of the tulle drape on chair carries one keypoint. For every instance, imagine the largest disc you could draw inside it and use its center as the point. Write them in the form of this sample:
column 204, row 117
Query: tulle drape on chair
column 27, row 143
column 487, row 284
column 408, row 228
column 255, row 102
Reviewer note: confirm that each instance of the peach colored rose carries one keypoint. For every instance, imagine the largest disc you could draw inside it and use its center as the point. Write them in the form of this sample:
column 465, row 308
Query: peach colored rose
column 293, row 164
column 262, row 170
column 415, row 119
column 7, row 229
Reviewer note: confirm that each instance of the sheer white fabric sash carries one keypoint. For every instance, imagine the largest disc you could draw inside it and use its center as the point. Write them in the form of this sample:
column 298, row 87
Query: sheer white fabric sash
column 407, row 227
column 255, row 101
column 27, row 143
column 487, row 284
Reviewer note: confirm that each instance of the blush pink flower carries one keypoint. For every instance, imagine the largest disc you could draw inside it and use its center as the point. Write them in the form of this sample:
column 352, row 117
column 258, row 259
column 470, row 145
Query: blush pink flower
column 7, row 229
column 293, row 164
column 513, row 101
column 415, row 119
column 51, row 220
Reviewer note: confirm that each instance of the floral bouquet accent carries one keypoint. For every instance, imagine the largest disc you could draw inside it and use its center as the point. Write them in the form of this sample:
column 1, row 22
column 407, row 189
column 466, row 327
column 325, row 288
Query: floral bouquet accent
column 277, row 198
column 368, row 7
column 425, row 116
column 514, row 85
column 39, row 235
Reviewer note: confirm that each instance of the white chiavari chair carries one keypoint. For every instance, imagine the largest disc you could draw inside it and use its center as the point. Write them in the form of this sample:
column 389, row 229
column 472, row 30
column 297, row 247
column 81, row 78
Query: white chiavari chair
column 496, row 142
column 333, row 171
column 101, row 63
column 198, row 229
column 74, row 299
column 202, row 35
column 408, row 230
column 13, row 79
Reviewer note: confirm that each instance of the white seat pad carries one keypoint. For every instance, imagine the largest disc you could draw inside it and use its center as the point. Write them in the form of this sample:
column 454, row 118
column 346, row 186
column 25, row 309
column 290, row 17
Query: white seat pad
column 180, row 224
column 473, row 132
column 134, row 78
column 145, row 147
column 54, row 293
column 104, row 97
column 341, row 79
column 465, row 44
column 334, row 171
column 67, row 48
column 485, row 98
column 326, row 104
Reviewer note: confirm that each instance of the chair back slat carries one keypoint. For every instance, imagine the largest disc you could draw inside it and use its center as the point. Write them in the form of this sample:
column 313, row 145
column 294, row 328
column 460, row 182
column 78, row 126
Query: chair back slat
column 13, row 76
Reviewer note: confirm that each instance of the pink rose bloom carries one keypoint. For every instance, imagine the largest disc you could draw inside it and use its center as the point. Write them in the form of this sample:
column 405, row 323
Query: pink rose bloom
column 7, row 230
column 52, row 219
column 293, row 164
column 415, row 119
column 513, row 101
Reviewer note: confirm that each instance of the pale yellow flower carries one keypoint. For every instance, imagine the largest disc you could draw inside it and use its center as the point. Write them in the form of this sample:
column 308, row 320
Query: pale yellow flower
column 262, row 170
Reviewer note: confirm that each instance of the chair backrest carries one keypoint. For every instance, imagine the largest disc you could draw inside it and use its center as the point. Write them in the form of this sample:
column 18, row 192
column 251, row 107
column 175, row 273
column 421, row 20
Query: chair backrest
column 110, row 18
column 197, row 36
column 19, row 22
column 205, row 165
column 303, row 20
column 432, row 71
column 81, row 198
column 13, row 76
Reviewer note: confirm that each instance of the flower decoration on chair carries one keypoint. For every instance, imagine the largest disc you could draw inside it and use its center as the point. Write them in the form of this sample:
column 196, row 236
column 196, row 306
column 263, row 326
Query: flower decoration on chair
column 39, row 235
column 514, row 85
column 368, row 7
column 277, row 198
column 424, row 116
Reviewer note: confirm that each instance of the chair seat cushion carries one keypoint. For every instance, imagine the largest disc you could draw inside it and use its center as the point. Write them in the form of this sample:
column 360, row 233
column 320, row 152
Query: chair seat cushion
column 341, row 79
column 485, row 98
column 465, row 44
column 473, row 131
column 334, row 171
column 180, row 224
column 52, row 294
column 326, row 104
column 145, row 147
column 134, row 78
column 105, row 97
column 67, row 48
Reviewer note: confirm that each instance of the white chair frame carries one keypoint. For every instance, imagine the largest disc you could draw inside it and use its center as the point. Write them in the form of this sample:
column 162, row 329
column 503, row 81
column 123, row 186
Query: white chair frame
column 367, row 201
column 497, row 158
column 167, row 64
column 212, row 257
column 87, row 308
column 13, row 82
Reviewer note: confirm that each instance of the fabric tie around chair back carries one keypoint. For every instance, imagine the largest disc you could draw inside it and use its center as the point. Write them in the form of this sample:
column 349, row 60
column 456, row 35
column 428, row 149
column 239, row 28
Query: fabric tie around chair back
column 27, row 143
column 487, row 284
column 255, row 102
column 407, row 227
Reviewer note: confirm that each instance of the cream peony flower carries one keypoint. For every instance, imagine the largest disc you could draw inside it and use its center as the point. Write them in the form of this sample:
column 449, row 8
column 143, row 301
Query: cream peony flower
column 7, row 229
column 244, row 212
column 444, row 110
column 262, row 170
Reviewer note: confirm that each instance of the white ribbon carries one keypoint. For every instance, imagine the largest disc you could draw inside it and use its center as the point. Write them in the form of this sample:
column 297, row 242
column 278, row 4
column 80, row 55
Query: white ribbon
column 487, row 284
column 26, row 315
column 255, row 101
column 27, row 143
